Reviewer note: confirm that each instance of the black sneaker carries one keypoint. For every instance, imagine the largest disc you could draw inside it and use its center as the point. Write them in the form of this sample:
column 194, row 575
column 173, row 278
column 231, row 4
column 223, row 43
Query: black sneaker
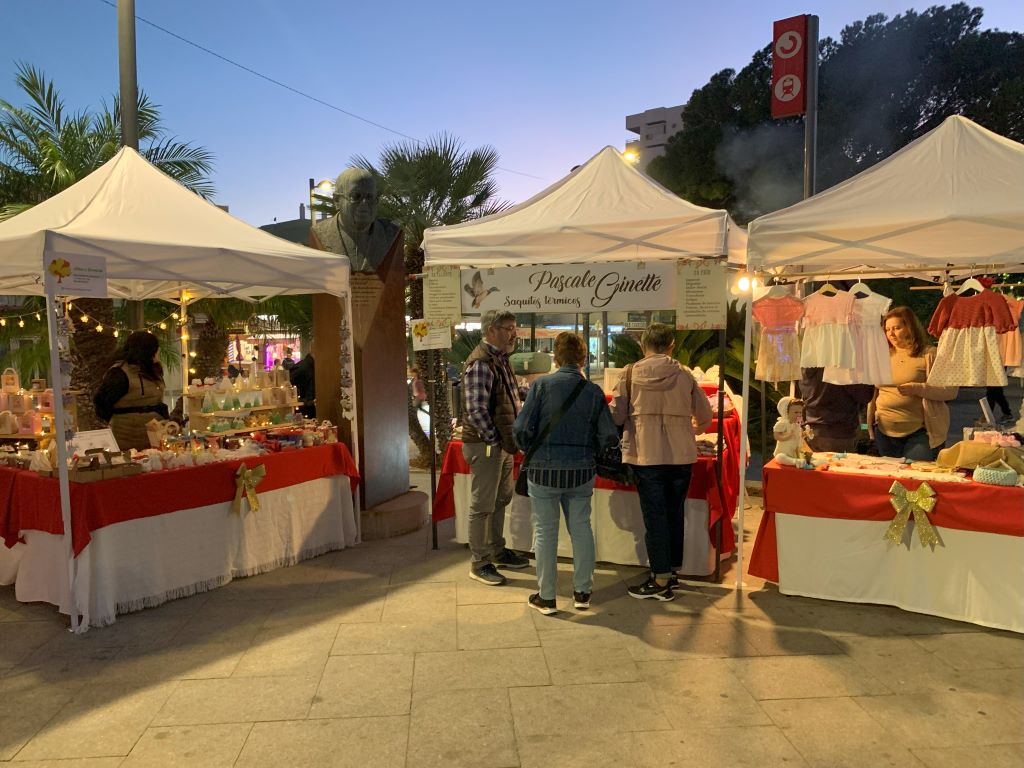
column 650, row 590
column 547, row 607
column 581, row 600
column 510, row 559
column 673, row 581
column 488, row 575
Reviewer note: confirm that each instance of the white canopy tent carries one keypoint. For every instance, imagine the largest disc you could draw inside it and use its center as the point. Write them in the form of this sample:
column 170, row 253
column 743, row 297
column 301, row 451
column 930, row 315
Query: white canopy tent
column 158, row 237
column 950, row 202
column 953, row 198
column 605, row 210
column 159, row 240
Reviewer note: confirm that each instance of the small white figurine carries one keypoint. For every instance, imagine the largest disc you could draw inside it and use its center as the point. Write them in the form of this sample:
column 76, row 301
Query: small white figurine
column 790, row 445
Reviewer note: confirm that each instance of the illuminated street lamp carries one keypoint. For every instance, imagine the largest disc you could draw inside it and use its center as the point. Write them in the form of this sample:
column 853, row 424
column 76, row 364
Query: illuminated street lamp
column 324, row 188
column 631, row 156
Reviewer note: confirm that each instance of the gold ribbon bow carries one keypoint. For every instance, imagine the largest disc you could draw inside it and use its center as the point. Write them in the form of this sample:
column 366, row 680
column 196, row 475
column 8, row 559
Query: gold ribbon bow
column 916, row 504
column 246, row 481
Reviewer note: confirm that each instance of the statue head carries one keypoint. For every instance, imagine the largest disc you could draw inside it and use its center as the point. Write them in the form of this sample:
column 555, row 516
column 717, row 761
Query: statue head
column 355, row 197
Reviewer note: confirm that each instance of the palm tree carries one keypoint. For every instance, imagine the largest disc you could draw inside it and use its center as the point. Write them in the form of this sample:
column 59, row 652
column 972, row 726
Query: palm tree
column 44, row 149
column 423, row 185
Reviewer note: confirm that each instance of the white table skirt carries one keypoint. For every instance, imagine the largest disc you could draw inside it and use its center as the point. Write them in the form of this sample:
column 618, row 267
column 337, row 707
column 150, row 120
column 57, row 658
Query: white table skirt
column 618, row 528
column 143, row 563
column 973, row 576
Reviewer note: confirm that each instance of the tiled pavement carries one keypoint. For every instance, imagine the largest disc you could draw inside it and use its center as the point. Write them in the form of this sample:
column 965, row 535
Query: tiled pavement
column 388, row 655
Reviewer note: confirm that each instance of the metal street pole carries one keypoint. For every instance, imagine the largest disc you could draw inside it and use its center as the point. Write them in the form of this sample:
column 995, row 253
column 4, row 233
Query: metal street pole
column 129, row 110
column 811, row 117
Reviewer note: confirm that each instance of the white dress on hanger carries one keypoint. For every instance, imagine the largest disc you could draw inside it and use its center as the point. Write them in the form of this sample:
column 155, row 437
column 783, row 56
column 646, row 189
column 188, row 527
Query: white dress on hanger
column 828, row 341
column 870, row 347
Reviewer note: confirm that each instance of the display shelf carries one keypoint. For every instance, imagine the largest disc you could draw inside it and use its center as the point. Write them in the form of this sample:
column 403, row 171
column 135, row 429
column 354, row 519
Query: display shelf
column 244, row 409
column 16, row 436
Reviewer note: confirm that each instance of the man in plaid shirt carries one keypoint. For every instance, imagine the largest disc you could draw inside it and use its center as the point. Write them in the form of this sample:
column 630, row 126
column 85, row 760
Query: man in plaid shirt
column 491, row 402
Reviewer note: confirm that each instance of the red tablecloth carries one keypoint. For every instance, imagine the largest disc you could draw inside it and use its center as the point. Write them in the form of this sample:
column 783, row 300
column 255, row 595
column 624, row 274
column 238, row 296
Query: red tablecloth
column 31, row 502
column 962, row 506
column 702, row 486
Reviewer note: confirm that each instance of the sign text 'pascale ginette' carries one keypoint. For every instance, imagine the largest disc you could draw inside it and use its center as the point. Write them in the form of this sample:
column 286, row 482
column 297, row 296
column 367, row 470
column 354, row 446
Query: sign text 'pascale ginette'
column 613, row 286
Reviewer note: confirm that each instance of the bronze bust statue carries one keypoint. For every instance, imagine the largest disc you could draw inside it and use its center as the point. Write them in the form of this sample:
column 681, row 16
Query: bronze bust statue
column 355, row 231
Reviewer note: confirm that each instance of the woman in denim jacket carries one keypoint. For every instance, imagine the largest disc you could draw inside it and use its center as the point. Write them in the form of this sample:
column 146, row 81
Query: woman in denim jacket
column 562, row 469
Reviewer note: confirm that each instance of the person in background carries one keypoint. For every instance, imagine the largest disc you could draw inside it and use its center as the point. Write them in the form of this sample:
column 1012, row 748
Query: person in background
column 996, row 397
column 302, row 375
column 417, row 389
column 909, row 419
column 131, row 393
column 562, row 469
column 491, row 401
column 662, row 412
column 832, row 411
column 287, row 363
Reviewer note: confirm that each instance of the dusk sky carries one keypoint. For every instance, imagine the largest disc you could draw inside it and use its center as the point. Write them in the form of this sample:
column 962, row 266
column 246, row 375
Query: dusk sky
column 547, row 84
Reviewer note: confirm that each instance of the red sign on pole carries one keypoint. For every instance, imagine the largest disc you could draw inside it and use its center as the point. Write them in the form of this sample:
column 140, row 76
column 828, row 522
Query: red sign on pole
column 789, row 67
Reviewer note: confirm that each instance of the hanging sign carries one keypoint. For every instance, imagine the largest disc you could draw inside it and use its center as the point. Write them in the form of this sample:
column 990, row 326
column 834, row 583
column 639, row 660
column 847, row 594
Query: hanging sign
column 77, row 276
column 600, row 287
column 442, row 294
column 789, row 67
column 430, row 334
column 702, row 295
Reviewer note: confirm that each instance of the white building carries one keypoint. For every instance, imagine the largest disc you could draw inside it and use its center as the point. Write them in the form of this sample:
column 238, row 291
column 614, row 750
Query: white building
column 654, row 127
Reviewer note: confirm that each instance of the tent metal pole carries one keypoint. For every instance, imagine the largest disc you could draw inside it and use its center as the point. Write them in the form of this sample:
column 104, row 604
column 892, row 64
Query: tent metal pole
column 60, row 433
column 586, row 342
column 533, row 331
column 604, row 340
column 744, row 441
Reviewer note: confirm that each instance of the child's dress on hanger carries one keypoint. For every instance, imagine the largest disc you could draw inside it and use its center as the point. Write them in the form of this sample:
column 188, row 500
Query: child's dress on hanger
column 968, row 352
column 828, row 341
column 778, row 352
column 870, row 347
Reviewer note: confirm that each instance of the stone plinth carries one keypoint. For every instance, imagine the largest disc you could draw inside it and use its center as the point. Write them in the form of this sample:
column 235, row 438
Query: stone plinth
column 402, row 514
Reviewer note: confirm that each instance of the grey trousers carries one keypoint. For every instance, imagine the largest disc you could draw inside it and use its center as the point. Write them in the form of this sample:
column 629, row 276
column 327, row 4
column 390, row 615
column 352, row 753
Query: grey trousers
column 492, row 488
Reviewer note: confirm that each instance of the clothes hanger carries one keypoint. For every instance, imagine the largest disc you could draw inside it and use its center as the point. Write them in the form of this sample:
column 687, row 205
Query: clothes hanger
column 828, row 287
column 968, row 284
column 860, row 287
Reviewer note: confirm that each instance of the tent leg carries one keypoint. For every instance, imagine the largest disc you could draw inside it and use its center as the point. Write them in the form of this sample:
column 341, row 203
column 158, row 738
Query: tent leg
column 60, row 435
column 744, row 442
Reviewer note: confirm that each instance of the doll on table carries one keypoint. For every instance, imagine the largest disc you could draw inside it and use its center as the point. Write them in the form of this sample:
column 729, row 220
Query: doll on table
column 791, row 447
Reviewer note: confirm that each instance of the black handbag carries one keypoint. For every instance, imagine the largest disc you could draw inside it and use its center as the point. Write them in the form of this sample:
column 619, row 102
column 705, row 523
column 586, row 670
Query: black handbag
column 522, row 489
column 609, row 461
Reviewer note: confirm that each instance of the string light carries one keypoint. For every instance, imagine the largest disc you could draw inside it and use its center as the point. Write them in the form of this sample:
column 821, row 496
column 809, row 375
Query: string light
column 174, row 315
column 39, row 318
column 115, row 333
column 85, row 318
column 191, row 354
column 21, row 323
column 3, row 321
column 163, row 326
column 99, row 328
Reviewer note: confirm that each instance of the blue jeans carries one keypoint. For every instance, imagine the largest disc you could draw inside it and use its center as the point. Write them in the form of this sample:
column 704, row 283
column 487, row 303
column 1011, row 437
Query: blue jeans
column 546, row 503
column 913, row 446
column 662, row 490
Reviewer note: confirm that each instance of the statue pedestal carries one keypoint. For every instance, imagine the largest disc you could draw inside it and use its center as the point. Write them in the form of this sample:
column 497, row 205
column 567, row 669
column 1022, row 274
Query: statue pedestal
column 397, row 516
column 382, row 395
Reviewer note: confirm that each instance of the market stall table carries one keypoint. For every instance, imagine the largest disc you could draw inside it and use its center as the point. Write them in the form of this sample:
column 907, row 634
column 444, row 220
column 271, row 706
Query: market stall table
column 142, row 540
column 822, row 535
column 616, row 519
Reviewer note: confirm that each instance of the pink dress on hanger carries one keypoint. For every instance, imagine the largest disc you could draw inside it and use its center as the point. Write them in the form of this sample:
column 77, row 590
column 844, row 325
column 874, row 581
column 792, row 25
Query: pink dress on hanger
column 968, row 353
column 870, row 347
column 828, row 341
column 778, row 353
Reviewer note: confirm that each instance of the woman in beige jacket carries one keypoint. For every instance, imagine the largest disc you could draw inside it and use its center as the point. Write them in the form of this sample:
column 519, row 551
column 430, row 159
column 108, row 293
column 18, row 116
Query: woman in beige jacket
column 661, row 409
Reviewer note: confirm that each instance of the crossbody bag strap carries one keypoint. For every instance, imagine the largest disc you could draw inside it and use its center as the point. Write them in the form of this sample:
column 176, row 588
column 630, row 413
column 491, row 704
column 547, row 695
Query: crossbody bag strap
column 554, row 422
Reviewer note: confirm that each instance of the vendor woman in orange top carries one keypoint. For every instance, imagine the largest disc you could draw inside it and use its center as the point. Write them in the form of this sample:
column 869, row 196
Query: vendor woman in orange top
column 909, row 418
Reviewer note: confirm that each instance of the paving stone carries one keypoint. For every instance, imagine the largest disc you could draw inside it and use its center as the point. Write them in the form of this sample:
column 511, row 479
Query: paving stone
column 595, row 708
column 496, row 626
column 798, row 677
column 493, row 668
column 701, row 693
column 201, row 746
column 370, row 685
column 341, row 743
column 470, row 728
column 238, row 700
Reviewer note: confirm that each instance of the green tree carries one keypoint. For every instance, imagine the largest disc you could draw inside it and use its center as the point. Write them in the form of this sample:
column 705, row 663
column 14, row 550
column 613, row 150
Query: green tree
column 423, row 185
column 882, row 84
column 45, row 148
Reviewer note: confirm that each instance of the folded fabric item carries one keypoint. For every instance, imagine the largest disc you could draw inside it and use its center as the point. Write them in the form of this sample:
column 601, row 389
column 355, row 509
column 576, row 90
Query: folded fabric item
column 969, row 454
